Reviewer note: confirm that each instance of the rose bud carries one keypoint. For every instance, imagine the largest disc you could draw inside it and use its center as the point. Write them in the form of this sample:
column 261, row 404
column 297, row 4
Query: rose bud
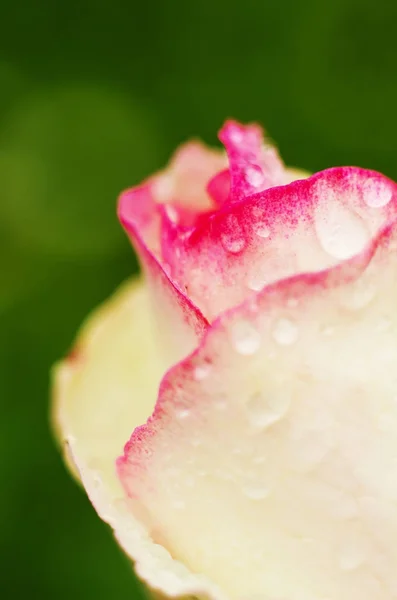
column 233, row 413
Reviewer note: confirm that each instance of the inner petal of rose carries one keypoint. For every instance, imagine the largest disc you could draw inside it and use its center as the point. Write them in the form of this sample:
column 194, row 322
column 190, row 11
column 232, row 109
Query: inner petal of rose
column 224, row 227
column 259, row 230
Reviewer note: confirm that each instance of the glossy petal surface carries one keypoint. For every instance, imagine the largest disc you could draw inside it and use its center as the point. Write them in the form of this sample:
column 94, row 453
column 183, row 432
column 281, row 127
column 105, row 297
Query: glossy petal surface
column 107, row 385
column 270, row 463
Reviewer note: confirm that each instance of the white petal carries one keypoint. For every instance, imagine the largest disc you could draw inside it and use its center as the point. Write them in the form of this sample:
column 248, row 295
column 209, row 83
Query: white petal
column 275, row 474
column 104, row 389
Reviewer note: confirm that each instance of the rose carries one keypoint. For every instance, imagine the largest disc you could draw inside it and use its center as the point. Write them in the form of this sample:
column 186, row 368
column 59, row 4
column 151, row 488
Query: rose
column 268, row 465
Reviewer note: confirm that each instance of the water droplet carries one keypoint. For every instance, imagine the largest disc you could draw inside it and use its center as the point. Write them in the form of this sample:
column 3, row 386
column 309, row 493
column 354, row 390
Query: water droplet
column 173, row 472
column 254, row 175
column 292, row 302
column 327, row 330
column 202, row 371
column 120, row 505
column 236, row 135
column 195, row 442
column 261, row 229
column 376, row 193
column 340, row 231
column 183, row 413
column 384, row 324
column 259, row 460
column 285, row 332
column 264, row 409
column 179, row 504
column 232, row 237
column 351, row 557
column 358, row 295
column 220, row 403
column 345, row 507
column 245, row 338
column 257, row 279
column 256, row 490
column 97, row 480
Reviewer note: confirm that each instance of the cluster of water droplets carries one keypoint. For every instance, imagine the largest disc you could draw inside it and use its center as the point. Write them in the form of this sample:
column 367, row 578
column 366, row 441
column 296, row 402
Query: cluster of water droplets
column 247, row 339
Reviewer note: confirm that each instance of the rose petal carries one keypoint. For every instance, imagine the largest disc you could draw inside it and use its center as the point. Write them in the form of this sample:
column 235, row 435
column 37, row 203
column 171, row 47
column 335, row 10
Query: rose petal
column 107, row 385
column 270, row 462
column 253, row 165
column 219, row 187
column 185, row 181
column 306, row 226
column 180, row 191
column 180, row 323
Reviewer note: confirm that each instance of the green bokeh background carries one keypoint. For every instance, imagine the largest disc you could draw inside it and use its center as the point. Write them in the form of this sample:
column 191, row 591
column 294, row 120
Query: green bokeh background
column 94, row 96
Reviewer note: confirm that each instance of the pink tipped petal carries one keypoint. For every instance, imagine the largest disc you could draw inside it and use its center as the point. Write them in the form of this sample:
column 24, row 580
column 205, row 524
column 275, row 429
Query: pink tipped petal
column 306, row 226
column 180, row 322
column 173, row 217
column 253, row 165
column 180, row 193
column 270, row 462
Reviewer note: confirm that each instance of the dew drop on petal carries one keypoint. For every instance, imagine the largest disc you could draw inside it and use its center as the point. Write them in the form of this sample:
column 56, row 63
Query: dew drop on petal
column 190, row 481
column 254, row 176
column 246, row 339
column 257, row 278
column 327, row 330
column 236, row 135
column 195, row 442
column 383, row 325
column 201, row 372
column 220, row 403
column 97, row 480
column 358, row 295
column 178, row 504
column 264, row 409
column 341, row 233
column 261, row 229
column 232, row 238
column 310, row 452
column 292, row 302
column 285, row 332
column 259, row 223
column 376, row 193
column 183, row 413
column 256, row 490
column 352, row 556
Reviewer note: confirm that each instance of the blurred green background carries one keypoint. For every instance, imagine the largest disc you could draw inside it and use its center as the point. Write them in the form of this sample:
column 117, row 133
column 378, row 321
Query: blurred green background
column 94, row 96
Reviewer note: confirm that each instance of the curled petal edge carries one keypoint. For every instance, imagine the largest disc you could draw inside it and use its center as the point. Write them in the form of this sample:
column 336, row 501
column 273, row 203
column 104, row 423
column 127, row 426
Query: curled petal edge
column 91, row 425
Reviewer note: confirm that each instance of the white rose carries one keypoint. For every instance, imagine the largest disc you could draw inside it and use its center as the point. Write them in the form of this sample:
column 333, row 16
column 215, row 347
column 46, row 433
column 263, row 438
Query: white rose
column 251, row 376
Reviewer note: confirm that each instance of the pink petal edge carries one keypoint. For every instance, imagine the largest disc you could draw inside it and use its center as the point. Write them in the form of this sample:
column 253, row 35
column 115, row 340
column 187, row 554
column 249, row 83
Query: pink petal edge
column 306, row 285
